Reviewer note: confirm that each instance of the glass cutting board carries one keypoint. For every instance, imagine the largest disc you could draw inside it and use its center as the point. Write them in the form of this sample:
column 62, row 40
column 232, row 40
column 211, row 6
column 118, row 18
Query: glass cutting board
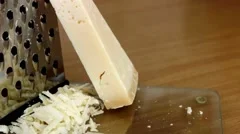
column 163, row 111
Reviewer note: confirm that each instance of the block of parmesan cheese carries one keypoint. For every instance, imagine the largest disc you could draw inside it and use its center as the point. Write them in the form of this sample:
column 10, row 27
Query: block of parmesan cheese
column 106, row 63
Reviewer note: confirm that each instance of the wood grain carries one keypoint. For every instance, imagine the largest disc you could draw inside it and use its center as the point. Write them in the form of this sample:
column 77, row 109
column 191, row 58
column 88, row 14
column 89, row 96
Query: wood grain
column 177, row 43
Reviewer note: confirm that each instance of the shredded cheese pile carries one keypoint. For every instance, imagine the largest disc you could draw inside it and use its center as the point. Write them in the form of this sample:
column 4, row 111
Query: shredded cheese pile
column 69, row 111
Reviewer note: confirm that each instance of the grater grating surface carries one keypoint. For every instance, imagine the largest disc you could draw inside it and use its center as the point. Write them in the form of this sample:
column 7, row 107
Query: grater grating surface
column 30, row 51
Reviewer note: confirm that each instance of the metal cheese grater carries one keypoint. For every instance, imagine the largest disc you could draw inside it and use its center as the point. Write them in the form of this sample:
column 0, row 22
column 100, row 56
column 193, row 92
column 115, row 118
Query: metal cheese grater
column 30, row 51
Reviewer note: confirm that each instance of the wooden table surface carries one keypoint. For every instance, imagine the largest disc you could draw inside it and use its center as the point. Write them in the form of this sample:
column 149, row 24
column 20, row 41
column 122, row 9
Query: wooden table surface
column 178, row 43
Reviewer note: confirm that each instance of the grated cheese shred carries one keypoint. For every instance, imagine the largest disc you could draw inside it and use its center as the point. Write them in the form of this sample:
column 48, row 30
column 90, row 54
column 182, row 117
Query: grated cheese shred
column 69, row 111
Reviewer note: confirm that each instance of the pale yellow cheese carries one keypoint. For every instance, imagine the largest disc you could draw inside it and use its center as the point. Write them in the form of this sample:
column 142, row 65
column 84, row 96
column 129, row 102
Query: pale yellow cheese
column 106, row 63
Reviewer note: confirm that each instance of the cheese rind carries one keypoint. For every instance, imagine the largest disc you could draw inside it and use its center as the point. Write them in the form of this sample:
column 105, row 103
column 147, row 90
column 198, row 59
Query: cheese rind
column 106, row 63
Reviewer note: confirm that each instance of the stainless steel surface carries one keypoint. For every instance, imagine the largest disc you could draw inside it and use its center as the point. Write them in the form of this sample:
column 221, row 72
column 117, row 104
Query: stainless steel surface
column 30, row 44
column 31, row 34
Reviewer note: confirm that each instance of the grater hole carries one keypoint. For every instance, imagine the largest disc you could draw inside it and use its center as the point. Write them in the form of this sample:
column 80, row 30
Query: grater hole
column 18, row 85
column 5, row 36
column 10, row 14
column 35, row 4
column 4, row 92
column 47, row 51
column 9, row 70
column 35, row 58
column 27, row 44
column 39, row 38
column 1, row 57
column 22, row 9
column 2, row 1
column 44, row 71
column 43, row 18
column 55, row 64
column 51, row 32
column 14, row 50
column 31, row 74
column 31, row 77
column 47, row 1
column 18, row 30
column 23, row 64
column 31, row 24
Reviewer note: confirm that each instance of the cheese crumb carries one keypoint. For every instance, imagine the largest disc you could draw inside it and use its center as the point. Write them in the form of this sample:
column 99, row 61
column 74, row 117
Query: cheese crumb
column 149, row 126
column 189, row 110
column 201, row 112
column 180, row 106
column 171, row 124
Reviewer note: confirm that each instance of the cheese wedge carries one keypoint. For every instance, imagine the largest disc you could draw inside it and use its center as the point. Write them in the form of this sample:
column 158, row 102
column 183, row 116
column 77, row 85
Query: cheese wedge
column 106, row 63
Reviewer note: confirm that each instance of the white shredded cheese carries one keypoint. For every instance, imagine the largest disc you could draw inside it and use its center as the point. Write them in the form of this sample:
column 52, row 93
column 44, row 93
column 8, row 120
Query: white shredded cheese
column 189, row 110
column 4, row 129
column 70, row 110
